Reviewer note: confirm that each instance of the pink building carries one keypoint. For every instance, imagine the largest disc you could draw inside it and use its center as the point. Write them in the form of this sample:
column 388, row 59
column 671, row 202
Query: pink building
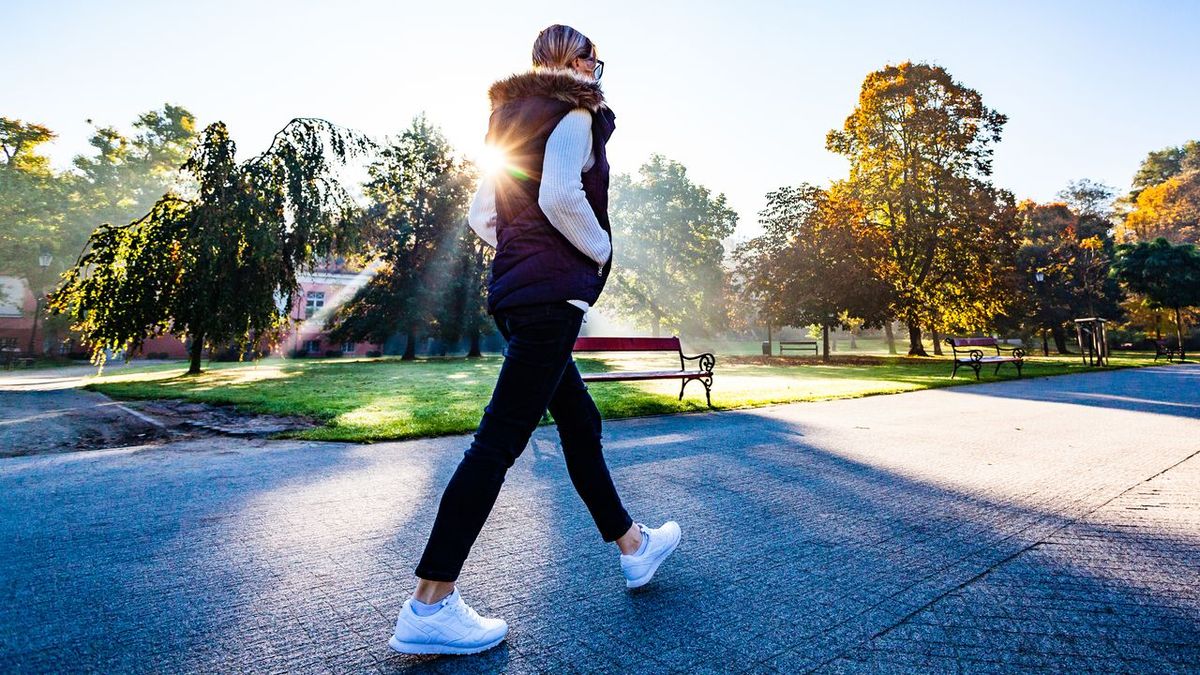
column 321, row 292
column 17, row 306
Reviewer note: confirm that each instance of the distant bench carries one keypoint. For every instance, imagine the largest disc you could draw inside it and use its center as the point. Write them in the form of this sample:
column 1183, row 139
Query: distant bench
column 702, row 374
column 969, row 352
column 798, row 346
column 1161, row 348
column 11, row 358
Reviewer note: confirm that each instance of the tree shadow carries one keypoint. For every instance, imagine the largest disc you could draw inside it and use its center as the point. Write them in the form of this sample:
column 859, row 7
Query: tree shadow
column 286, row 556
column 1164, row 390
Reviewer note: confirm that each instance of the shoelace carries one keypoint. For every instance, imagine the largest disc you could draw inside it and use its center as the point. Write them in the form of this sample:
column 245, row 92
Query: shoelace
column 463, row 609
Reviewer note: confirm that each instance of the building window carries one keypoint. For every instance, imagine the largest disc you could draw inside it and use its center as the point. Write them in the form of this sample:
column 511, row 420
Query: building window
column 8, row 343
column 313, row 302
column 312, row 346
column 349, row 347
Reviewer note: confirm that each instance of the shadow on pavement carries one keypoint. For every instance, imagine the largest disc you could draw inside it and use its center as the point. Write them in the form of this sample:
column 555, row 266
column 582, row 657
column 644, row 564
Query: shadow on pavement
column 797, row 549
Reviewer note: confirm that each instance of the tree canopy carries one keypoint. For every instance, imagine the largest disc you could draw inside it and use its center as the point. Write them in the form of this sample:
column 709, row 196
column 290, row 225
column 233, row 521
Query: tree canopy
column 667, row 236
column 1167, row 275
column 219, row 263
column 416, row 226
column 920, row 151
column 818, row 262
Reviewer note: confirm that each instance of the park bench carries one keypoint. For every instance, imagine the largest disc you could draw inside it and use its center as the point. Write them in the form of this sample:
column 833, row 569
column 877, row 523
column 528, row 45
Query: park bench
column 11, row 358
column 1161, row 348
column 969, row 352
column 798, row 346
column 702, row 374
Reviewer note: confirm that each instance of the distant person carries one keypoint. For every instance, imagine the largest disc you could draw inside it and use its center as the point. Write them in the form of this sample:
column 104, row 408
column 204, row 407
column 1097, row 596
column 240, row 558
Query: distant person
column 546, row 213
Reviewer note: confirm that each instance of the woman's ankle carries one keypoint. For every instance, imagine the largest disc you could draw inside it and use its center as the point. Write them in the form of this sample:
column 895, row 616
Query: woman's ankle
column 631, row 541
column 430, row 592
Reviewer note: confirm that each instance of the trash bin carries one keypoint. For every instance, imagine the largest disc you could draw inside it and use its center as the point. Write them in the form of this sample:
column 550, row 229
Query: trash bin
column 766, row 348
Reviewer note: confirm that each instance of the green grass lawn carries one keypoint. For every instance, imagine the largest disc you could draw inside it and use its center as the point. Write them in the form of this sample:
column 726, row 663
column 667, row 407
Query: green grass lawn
column 384, row 399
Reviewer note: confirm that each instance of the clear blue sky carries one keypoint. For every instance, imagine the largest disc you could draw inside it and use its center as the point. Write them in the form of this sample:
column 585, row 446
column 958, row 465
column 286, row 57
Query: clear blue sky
column 742, row 93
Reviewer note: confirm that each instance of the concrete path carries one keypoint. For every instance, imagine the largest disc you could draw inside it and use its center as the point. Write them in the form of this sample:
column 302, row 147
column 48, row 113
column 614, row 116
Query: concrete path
column 1048, row 525
column 44, row 411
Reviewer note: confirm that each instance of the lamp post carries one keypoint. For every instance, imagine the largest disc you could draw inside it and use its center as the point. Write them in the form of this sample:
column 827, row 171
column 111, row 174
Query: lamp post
column 1039, row 277
column 44, row 261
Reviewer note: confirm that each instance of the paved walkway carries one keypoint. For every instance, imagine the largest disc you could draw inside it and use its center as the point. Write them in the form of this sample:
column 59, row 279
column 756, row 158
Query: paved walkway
column 1048, row 524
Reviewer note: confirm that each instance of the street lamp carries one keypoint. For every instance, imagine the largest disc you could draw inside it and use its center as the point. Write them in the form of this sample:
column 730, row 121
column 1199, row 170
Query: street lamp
column 44, row 261
column 1039, row 277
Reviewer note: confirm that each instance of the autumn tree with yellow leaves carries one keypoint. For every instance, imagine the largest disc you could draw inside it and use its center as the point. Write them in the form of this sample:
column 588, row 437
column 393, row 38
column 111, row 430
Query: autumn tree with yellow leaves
column 920, row 150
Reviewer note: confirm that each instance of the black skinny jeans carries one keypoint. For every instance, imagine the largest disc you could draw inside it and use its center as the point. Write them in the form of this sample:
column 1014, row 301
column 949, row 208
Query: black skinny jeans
column 538, row 374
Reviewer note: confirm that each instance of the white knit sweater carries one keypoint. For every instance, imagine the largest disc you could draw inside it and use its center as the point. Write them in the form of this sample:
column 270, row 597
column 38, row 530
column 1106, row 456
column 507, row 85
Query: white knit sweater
column 561, row 196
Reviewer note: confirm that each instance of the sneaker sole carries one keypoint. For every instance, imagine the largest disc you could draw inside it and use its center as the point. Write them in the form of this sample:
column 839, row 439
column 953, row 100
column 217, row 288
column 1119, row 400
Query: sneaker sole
column 645, row 578
column 418, row 648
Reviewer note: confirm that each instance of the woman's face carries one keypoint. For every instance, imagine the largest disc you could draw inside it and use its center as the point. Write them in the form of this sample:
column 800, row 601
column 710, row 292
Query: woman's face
column 586, row 65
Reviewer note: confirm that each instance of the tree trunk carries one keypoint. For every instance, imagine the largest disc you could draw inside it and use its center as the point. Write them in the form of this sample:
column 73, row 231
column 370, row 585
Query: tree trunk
column 853, row 343
column 832, row 343
column 474, row 351
column 1179, row 334
column 915, row 348
column 1045, row 344
column 655, row 324
column 937, row 341
column 770, row 346
column 410, row 346
column 891, row 337
column 1060, row 339
column 825, row 338
column 194, row 353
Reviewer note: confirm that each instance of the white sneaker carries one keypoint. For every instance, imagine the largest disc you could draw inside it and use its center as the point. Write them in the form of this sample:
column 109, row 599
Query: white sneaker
column 639, row 569
column 453, row 629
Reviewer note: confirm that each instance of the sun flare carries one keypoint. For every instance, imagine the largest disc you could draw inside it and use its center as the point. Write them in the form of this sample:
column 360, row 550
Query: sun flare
column 491, row 160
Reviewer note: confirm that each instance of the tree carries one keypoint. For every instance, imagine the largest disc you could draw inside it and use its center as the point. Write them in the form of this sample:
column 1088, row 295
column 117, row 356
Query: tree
column 416, row 225
column 816, row 262
column 1168, row 275
column 920, row 148
column 1162, row 165
column 32, row 197
column 126, row 175
column 1170, row 209
column 1090, row 201
column 1073, row 264
column 667, row 234
column 218, row 266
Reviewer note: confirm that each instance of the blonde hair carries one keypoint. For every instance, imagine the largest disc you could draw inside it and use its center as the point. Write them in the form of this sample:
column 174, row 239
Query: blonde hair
column 558, row 45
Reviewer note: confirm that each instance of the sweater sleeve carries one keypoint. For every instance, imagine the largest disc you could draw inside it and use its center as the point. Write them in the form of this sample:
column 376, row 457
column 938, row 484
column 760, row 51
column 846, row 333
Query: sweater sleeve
column 482, row 216
column 561, row 196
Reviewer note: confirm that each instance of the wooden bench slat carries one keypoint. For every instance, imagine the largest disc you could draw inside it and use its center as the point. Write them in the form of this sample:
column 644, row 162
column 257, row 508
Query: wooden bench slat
column 627, row 344
column 641, row 375
column 974, row 342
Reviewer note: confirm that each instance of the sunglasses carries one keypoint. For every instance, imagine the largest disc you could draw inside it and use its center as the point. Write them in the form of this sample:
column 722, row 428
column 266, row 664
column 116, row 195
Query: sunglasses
column 599, row 70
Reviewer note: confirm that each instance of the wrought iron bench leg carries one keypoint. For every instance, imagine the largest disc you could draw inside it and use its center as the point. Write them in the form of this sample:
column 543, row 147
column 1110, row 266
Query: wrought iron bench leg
column 706, row 381
column 955, row 371
column 976, row 367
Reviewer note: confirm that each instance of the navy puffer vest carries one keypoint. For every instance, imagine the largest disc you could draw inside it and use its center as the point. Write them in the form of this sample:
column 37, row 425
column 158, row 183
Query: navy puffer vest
column 534, row 262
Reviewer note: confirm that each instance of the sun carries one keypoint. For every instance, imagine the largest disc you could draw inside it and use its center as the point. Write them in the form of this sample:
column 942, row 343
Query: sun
column 491, row 160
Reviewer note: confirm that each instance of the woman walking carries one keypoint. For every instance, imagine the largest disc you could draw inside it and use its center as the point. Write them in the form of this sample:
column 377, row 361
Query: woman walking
column 546, row 213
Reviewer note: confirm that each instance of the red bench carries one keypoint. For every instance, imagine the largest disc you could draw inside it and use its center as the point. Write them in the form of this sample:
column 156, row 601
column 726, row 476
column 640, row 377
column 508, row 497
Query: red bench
column 703, row 373
column 972, row 355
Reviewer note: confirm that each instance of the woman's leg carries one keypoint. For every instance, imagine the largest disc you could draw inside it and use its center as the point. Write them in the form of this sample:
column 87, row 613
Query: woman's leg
column 540, row 339
column 579, row 428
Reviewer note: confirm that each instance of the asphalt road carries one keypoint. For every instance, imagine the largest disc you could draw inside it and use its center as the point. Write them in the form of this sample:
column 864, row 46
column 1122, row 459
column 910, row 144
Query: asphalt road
column 1042, row 524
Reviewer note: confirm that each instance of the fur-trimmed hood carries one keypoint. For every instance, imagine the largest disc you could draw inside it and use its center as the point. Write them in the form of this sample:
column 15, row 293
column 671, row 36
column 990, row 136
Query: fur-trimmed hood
column 557, row 83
